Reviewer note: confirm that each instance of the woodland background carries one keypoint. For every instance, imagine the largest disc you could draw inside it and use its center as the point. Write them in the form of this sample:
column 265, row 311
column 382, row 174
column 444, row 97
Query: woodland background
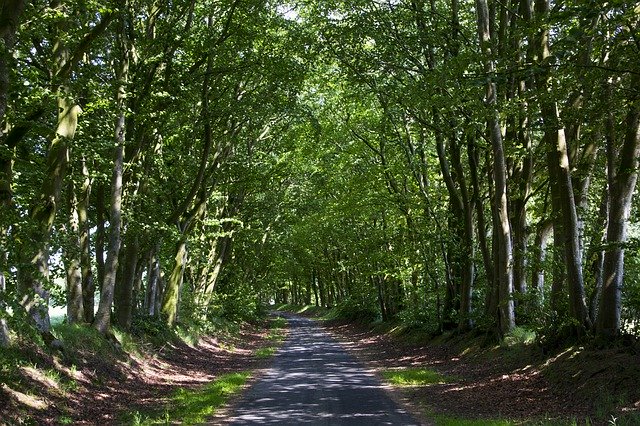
column 447, row 164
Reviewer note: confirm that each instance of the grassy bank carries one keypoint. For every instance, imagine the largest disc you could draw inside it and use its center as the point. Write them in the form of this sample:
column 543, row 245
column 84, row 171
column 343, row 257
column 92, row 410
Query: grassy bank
column 132, row 377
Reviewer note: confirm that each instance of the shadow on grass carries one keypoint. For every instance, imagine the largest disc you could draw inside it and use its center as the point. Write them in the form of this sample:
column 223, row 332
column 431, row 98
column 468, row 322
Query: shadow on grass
column 194, row 406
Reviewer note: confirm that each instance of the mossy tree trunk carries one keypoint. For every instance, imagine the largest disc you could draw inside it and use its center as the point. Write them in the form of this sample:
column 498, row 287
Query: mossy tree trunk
column 102, row 321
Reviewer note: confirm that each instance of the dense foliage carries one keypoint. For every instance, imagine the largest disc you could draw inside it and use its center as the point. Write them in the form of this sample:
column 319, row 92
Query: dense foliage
column 449, row 163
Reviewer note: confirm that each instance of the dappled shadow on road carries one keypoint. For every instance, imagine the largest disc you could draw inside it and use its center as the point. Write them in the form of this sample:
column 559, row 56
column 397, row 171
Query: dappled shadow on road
column 314, row 381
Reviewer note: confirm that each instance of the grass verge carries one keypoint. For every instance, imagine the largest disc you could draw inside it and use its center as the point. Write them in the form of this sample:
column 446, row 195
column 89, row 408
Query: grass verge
column 194, row 406
column 266, row 352
column 414, row 377
column 276, row 335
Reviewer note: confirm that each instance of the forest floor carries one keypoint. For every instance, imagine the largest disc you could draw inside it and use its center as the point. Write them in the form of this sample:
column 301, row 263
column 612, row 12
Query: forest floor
column 511, row 384
column 508, row 384
column 105, row 385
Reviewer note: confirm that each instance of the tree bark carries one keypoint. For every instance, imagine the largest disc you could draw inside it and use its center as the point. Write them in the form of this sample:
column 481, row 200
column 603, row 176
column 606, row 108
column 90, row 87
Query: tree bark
column 88, row 285
column 71, row 256
column 171, row 295
column 505, row 253
column 468, row 267
column 621, row 196
column 10, row 13
column 35, row 273
column 153, row 278
column 123, row 292
column 543, row 230
column 102, row 320
column 595, row 256
column 100, row 234
column 5, row 336
column 487, row 259
column 560, row 172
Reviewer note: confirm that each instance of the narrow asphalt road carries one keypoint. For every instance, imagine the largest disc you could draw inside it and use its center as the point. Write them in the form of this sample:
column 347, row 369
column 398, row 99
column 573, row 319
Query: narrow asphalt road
column 313, row 380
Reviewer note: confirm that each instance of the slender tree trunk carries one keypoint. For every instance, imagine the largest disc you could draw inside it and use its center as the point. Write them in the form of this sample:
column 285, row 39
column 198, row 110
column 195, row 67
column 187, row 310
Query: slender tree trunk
column 5, row 336
column 505, row 261
column 100, row 234
column 123, row 296
column 10, row 14
column 314, row 284
column 595, row 256
column 561, row 171
column 543, row 230
column 569, row 224
column 102, row 320
column 171, row 295
column 321, row 288
column 461, row 221
column 558, row 294
column 153, row 278
column 218, row 257
column 621, row 195
column 88, row 285
column 487, row 259
column 159, row 292
column 378, row 283
column 71, row 255
column 520, row 247
column 9, row 21
column 468, row 246
column 523, row 174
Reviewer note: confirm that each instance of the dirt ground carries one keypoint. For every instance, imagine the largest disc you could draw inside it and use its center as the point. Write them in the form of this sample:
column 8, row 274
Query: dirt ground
column 518, row 384
column 515, row 383
column 98, row 391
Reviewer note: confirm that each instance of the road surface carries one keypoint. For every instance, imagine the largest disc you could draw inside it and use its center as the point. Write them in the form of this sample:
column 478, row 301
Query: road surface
column 314, row 381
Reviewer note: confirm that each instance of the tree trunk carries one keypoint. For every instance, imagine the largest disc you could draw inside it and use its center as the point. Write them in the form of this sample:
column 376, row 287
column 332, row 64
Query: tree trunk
column 9, row 21
column 543, row 229
column 378, row 283
column 520, row 246
column 560, row 169
column 468, row 266
column 487, row 259
column 153, row 278
column 321, row 289
column 218, row 257
column 504, row 262
column 100, row 234
column 71, row 257
column 5, row 336
column 88, row 285
column 159, row 293
column 595, row 256
column 102, row 320
column 621, row 195
column 35, row 273
column 171, row 295
column 123, row 291
column 569, row 223
column 314, row 284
